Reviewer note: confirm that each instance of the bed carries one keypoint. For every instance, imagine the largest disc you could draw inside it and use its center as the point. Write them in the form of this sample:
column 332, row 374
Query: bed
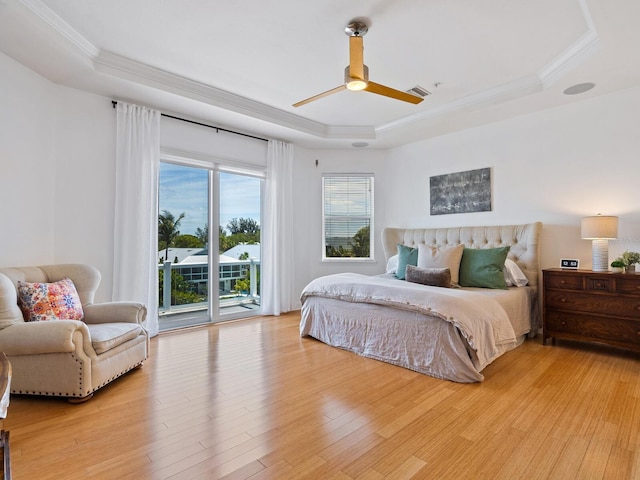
column 447, row 333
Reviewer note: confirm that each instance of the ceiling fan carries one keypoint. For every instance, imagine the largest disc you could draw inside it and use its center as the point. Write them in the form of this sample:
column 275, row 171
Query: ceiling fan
column 356, row 74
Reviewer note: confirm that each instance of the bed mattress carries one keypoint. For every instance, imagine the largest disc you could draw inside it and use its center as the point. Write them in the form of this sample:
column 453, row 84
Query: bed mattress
column 413, row 339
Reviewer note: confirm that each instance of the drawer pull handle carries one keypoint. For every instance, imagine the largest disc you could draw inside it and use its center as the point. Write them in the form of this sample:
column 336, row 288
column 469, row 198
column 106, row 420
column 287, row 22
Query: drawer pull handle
column 563, row 282
column 563, row 299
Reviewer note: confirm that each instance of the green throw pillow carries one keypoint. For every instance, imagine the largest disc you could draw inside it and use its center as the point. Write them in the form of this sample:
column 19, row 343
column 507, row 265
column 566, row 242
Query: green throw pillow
column 482, row 267
column 406, row 256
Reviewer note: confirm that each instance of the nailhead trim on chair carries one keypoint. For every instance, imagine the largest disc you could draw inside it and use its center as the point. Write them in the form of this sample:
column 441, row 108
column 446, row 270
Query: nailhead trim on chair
column 81, row 372
column 76, row 395
column 55, row 394
column 117, row 376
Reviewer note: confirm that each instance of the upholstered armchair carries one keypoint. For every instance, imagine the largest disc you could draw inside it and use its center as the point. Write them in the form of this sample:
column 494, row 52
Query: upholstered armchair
column 69, row 358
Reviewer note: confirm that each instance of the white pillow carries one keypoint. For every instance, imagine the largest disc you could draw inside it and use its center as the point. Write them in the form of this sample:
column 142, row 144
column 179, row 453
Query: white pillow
column 392, row 264
column 441, row 257
column 513, row 275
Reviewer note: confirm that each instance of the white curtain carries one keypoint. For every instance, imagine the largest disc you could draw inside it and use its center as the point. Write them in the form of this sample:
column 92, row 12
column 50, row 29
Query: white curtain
column 277, row 240
column 135, row 272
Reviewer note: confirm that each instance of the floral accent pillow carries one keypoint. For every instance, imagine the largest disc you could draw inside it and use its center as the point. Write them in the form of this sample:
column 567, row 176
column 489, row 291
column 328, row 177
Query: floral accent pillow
column 41, row 302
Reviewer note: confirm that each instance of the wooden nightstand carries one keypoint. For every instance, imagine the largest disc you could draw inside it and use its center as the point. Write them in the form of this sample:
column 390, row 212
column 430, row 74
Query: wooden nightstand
column 592, row 306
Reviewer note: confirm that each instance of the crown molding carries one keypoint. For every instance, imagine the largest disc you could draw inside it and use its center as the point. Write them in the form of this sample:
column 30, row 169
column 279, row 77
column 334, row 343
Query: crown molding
column 351, row 132
column 566, row 60
column 578, row 52
column 574, row 54
column 486, row 98
column 125, row 68
column 50, row 18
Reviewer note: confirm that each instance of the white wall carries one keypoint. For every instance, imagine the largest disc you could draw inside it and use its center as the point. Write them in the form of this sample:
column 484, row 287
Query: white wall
column 85, row 182
column 57, row 151
column 307, row 191
column 57, row 183
column 27, row 168
column 554, row 166
column 207, row 144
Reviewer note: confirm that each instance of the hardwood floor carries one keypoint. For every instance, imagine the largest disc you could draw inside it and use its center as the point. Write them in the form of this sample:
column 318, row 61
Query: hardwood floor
column 251, row 399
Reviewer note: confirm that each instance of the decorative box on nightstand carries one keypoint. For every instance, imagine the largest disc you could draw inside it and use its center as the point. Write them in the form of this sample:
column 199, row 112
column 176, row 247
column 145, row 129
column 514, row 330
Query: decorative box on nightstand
column 592, row 306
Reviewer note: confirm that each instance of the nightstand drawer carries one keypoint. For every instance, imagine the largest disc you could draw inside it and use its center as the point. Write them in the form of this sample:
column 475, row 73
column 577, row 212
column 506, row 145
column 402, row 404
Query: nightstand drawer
column 630, row 284
column 591, row 303
column 594, row 328
column 596, row 284
column 563, row 282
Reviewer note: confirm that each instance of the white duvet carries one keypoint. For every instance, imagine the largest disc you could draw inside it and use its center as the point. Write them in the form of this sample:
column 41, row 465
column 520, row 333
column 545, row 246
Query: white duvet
column 379, row 333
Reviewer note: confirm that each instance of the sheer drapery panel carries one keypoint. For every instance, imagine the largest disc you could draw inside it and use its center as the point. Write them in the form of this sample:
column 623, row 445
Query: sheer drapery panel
column 135, row 273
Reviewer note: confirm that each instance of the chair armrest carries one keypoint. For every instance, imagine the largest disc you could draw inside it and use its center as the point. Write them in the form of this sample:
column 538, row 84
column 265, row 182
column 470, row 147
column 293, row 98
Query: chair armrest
column 56, row 336
column 114, row 312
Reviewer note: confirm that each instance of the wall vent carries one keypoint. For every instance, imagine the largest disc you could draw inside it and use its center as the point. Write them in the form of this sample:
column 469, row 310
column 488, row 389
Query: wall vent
column 419, row 91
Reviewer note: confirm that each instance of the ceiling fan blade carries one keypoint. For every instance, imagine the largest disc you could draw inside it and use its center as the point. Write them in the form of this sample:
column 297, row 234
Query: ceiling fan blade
column 356, row 57
column 320, row 95
column 392, row 93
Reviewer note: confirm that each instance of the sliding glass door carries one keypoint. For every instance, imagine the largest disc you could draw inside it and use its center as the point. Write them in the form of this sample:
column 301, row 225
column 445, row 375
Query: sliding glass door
column 239, row 245
column 207, row 275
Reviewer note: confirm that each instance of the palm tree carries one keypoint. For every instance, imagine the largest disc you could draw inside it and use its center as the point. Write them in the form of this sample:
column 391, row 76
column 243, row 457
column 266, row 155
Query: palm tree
column 203, row 234
column 168, row 229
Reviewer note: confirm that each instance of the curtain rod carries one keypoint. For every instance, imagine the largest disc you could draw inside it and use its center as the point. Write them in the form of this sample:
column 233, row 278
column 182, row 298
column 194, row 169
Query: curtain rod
column 217, row 129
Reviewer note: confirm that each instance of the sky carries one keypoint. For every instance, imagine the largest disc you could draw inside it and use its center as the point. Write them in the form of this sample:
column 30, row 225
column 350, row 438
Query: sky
column 184, row 189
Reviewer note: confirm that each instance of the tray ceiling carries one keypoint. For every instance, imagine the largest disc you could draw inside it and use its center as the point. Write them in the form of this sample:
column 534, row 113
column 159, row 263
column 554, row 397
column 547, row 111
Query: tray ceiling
column 243, row 64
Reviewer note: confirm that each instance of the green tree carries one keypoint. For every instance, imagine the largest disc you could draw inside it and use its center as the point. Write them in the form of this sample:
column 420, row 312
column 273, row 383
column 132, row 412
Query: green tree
column 361, row 242
column 243, row 230
column 182, row 291
column 238, row 238
column 187, row 241
column 203, row 234
column 332, row 252
column 223, row 240
column 243, row 285
column 168, row 230
column 243, row 225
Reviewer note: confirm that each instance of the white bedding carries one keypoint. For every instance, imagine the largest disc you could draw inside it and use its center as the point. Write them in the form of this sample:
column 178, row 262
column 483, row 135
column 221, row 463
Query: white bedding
column 442, row 342
column 446, row 333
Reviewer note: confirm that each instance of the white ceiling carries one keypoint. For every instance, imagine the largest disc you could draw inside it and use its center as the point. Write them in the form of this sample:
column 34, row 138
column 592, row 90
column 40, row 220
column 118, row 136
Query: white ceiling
column 242, row 64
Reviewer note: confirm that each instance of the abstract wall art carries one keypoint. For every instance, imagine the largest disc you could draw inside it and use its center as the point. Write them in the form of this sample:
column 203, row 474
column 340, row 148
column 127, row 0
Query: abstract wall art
column 461, row 192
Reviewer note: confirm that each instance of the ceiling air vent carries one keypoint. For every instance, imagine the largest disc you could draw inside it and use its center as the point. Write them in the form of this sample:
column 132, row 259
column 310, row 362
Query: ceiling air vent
column 418, row 91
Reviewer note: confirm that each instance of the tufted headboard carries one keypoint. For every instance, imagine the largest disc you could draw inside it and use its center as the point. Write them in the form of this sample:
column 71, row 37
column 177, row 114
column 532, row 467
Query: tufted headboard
column 523, row 240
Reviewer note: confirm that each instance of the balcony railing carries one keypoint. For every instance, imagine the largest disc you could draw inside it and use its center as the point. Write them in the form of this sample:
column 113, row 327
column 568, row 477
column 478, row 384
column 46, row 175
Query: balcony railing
column 194, row 282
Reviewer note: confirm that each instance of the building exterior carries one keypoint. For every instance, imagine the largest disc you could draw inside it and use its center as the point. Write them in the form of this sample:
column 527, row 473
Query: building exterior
column 193, row 265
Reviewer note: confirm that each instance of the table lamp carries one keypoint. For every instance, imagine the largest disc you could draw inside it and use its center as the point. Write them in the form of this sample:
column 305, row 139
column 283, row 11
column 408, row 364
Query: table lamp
column 600, row 229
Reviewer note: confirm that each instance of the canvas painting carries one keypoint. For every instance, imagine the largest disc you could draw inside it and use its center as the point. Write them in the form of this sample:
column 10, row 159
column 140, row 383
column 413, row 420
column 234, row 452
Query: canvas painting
column 461, row 192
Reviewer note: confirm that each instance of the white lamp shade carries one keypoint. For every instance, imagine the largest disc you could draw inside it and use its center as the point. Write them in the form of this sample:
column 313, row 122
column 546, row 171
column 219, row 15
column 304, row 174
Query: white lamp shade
column 600, row 227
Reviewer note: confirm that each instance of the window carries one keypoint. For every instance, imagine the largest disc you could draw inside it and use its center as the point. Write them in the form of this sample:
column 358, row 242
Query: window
column 347, row 216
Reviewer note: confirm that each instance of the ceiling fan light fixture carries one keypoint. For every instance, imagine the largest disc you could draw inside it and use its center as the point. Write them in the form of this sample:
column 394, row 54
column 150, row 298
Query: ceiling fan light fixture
column 356, row 84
